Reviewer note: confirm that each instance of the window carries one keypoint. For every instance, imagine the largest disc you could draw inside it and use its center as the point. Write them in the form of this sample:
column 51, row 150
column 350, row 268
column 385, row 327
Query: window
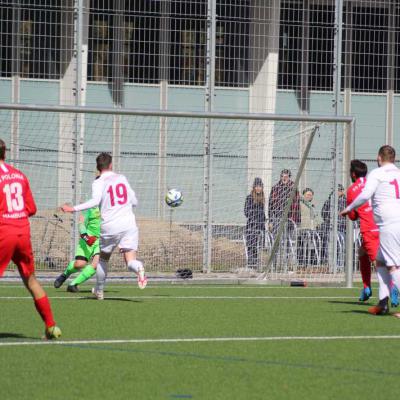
column 30, row 39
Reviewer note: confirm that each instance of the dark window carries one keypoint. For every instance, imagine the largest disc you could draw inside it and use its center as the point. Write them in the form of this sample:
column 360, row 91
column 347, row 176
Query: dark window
column 124, row 41
column 320, row 55
column 290, row 45
column 31, row 36
column 369, row 50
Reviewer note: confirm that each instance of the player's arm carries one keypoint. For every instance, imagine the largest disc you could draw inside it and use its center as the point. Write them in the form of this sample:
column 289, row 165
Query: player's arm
column 353, row 215
column 364, row 196
column 30, row 204
column 132, row 196
column 82, row 226
column 97, row 191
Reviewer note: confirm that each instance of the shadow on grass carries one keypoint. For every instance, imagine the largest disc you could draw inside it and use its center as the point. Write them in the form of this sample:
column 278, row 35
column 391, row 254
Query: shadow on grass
column 112, row 299
column 90, row 291
column 12, row 335
column 353, row 303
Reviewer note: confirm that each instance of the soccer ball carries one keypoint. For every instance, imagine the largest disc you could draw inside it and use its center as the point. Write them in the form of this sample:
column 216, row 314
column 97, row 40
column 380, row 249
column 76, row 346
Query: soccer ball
column 174, row 198
column 54, row 332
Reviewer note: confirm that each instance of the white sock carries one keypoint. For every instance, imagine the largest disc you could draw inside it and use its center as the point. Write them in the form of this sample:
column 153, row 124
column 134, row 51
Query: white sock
column 101, row 274
column 135, row 266
column 384, row 279
column 396, row 277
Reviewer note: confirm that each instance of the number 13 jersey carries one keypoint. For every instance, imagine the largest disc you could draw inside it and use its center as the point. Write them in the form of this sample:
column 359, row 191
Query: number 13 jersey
column 384, row 183
column 115, row 197
column 16, row 200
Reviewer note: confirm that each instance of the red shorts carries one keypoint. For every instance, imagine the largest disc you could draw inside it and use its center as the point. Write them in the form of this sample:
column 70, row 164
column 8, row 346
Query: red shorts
column 370, row 243
column 16, row 248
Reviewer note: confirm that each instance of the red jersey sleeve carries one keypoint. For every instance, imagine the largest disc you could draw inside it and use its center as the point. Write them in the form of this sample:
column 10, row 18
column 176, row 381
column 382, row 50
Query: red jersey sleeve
column 30, row 204
column 353, row 215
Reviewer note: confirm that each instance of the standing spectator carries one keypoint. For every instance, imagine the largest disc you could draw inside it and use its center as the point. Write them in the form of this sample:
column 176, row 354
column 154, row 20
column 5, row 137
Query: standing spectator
column 326, row 214
column 254, row 210
column 307, row 225
column 278, row 199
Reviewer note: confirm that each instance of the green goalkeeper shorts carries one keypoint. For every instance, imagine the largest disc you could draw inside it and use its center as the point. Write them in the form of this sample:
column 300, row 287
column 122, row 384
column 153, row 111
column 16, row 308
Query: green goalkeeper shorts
column 86, row 252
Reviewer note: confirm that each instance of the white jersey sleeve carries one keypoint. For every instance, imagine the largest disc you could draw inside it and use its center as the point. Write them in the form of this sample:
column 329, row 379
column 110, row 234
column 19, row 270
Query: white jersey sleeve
column 97, row 192
column 368, row 191
column 383, row 187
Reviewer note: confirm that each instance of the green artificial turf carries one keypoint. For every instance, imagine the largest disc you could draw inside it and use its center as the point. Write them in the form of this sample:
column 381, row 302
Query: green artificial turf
column 348, row 367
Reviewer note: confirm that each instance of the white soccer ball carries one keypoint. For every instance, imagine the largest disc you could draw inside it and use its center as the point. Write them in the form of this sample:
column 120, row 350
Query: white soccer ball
column 174, row 198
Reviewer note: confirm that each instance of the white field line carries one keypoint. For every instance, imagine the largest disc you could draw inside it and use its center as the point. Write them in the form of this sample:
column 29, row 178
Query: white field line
column 191, row 340
column 186, row 297
column 5, row 285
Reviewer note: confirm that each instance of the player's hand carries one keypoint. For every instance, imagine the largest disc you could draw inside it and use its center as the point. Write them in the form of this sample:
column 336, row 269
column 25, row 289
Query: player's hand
column 67, row 208
column 89, row 239
column 343, row 213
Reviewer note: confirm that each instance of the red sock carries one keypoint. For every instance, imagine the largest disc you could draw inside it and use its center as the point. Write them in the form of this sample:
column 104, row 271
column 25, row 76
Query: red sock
column 365, row 269
column 43, row 308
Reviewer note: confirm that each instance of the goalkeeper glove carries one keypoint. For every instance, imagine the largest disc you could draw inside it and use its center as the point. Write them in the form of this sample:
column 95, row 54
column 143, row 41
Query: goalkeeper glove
column 88, row 239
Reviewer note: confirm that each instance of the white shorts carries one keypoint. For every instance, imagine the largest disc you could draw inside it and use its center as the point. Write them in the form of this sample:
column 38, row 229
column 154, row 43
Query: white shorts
column 389, row 246
column 127, row 240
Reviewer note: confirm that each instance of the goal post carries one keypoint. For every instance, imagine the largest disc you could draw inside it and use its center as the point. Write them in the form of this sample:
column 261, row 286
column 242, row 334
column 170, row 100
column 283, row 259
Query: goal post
column 158, row 150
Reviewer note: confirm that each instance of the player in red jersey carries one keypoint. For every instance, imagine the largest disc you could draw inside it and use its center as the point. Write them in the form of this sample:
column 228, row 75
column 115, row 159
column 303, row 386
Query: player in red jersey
column 368, row 228
column 16, row 206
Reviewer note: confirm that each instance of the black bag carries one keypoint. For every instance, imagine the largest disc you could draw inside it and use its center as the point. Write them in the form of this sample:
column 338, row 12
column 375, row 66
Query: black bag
column 184, row 273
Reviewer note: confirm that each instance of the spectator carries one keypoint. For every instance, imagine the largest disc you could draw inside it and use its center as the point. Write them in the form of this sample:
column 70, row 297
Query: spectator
column 278, row 199
column 326, row 226
column 306, row 227
column 254, row 210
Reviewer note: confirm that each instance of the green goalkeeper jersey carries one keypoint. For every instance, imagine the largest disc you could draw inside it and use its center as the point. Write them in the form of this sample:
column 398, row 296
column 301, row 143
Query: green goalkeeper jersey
column 92, row 222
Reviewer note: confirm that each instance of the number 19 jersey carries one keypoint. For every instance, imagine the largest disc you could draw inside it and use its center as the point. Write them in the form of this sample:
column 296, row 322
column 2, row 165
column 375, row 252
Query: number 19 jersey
column 115, row 197
column 384, row 182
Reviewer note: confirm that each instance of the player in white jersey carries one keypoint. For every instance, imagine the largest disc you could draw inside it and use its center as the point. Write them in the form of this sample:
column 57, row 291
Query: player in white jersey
column 383, row 189
column 115, row 198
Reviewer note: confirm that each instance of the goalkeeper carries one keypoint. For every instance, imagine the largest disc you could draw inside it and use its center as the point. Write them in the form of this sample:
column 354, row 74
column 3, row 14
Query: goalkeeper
column 88, row 250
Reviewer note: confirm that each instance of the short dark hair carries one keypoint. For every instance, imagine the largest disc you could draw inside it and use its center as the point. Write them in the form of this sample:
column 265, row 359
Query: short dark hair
column 286, row 172
column 2, row 149
column 358, row 168
column 307, row 189
column 103, row 161
column 387, row 153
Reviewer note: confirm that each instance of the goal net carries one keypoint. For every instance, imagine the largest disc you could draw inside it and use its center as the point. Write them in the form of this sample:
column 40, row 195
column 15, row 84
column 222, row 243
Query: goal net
column 236, row 173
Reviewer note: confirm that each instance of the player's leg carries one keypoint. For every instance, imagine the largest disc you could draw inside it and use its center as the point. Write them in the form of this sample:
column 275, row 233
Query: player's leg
column 384, row 280
column 135, row 266
column 365, row 269
column 73, row 267
column 101, row 275
column 23, row 258
column 81, row 259
column 390, row 251
column 87, row 272
column 91, row 253
column 128, row 245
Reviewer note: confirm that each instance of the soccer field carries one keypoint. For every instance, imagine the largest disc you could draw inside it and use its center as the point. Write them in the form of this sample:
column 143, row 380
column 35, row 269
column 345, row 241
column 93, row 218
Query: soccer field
column 199, row 342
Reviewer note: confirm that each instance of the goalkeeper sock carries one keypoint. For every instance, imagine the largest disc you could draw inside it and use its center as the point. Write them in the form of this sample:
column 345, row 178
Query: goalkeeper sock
column 86, row 274
column 70, row 269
